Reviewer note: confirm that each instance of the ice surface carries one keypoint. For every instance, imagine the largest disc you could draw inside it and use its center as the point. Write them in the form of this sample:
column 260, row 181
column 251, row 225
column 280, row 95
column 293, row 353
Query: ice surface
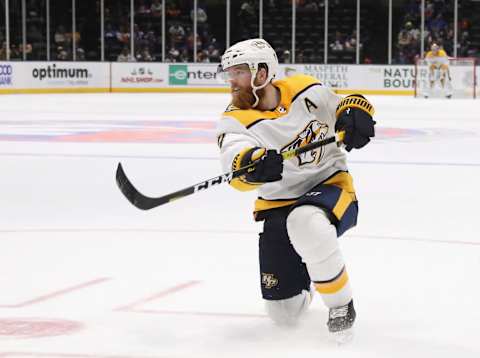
column 86, row 274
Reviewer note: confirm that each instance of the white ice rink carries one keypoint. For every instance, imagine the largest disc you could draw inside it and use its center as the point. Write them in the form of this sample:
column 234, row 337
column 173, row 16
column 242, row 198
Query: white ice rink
column 84, row 274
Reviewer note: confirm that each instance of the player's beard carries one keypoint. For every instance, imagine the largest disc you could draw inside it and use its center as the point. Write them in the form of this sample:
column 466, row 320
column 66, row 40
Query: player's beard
column 244, row 98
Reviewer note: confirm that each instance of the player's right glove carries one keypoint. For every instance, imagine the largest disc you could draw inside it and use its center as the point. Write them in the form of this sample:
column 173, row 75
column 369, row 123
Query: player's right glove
column 354, row 116
column 268, row 169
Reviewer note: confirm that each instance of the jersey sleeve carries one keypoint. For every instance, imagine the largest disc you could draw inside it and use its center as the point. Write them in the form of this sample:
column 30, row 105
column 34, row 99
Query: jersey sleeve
column 232, row 139
column 330, row 100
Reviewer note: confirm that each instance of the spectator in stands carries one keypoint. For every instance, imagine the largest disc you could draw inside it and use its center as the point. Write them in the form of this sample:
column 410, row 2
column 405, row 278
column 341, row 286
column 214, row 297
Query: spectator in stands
column 286, row 58
column 140, row 37
column 464, row 45
column 298, row 3
column 173, row 55
column 311, row 7
column 202, row 56
column 351, row 42
column 401, row 59
column 62, row 54
column 338, row 44
column 404, row 40
column 144, row 55
column 367, row 60
column 438, row 24
column 3, row 52
column 201, row 19
column 60, row 37
column 125, row 56
column 300, row 57
column 189, row 41
column 177, row 35
column 156, row 8
column 123, row 35
column 142, row 8
column 414, row 32
column 150, row 39
column 213, row 53
column 247, row 11
column 172, row 9
column 201, row 15
column 80, row 54
column 110, row 33
column 33, row 8
column 185, row 56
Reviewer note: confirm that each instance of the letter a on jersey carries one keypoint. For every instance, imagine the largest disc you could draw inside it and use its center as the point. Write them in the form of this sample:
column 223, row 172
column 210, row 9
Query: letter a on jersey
column 310, row 104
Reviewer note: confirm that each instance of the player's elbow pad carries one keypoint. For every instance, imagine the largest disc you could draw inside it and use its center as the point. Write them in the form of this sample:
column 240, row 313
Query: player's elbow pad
column 354, row 116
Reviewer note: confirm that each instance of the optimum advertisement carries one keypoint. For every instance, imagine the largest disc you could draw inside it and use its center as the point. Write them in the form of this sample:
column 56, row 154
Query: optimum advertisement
column 67, row 74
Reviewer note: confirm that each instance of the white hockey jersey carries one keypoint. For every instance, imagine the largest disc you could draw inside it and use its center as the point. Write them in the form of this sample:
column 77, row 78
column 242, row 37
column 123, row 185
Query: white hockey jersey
column 305, row 114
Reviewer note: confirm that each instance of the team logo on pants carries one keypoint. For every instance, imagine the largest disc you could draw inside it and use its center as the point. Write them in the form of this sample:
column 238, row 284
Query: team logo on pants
column 269, row 280
column 313, row 132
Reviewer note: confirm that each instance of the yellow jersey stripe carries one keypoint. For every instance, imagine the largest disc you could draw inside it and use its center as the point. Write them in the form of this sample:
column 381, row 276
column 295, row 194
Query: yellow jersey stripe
column 262, row 204
column 290, row 88
column 342, row 204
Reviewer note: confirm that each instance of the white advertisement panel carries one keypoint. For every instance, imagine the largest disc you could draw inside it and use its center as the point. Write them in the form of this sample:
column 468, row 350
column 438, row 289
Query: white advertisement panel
column 368, row 77
column 41, row 77
column 139, row 75
column 190, row 74
column 54, row 75
column 162, row 76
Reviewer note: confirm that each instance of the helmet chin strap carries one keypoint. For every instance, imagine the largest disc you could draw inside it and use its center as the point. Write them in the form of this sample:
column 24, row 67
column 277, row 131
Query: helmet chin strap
column 256, row 88
column 254, row 91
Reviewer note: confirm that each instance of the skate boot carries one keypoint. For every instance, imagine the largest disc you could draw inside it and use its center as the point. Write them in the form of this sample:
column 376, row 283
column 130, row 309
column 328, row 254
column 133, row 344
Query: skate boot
column 340, row 322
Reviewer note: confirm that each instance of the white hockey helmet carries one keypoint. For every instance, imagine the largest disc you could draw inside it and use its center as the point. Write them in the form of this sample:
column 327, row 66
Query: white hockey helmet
column 252, row 53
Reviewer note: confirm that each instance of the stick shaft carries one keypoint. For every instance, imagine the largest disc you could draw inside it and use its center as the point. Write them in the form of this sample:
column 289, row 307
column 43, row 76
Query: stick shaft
column 145, row 203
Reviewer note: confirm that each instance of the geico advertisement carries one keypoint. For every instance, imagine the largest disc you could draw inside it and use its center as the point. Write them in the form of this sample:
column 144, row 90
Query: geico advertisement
column 139, row 75
column 60, row 74
column 193, row 75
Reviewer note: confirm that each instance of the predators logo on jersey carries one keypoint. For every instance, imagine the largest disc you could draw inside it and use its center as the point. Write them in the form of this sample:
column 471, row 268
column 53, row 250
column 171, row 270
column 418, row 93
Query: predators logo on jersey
column 269, row 280
column 313, row 132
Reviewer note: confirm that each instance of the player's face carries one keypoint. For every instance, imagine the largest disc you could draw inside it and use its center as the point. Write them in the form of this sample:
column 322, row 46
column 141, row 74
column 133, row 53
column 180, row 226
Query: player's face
column 240, row 79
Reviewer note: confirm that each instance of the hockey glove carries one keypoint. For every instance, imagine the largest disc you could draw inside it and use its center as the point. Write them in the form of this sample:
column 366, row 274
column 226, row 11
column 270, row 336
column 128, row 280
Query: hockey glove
column 354, row 116
column 268, row 169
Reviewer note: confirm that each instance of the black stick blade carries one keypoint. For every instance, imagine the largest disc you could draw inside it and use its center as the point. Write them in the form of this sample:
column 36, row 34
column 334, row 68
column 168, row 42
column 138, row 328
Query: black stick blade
column 132, row 194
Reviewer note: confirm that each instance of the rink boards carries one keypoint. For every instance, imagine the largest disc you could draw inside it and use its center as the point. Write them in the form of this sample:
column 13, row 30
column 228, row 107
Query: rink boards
column 92, row 77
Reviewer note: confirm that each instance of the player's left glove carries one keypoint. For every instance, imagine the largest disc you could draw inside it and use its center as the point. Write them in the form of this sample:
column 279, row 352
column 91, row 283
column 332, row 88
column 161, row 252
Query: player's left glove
column 354, row 116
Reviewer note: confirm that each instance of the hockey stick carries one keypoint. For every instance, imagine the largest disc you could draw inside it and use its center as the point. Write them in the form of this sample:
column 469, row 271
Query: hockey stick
column 146, row 203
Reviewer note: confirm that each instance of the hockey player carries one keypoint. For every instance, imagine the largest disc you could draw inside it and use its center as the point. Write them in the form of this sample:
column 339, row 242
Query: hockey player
column 437, row 60
column 305, row 203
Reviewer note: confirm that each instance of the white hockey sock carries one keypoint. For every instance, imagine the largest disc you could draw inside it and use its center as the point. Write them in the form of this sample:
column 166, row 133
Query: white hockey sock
column 315, row 240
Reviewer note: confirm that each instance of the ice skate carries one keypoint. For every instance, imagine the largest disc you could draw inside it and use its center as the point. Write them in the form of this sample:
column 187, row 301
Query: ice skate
column 340, row 323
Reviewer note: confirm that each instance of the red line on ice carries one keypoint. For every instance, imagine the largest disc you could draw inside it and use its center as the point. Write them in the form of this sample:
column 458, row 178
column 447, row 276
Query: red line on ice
column 57, row 293
column 131, row 306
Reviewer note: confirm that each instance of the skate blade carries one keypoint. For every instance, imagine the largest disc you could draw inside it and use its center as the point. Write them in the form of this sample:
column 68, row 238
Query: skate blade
column 343, row 337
